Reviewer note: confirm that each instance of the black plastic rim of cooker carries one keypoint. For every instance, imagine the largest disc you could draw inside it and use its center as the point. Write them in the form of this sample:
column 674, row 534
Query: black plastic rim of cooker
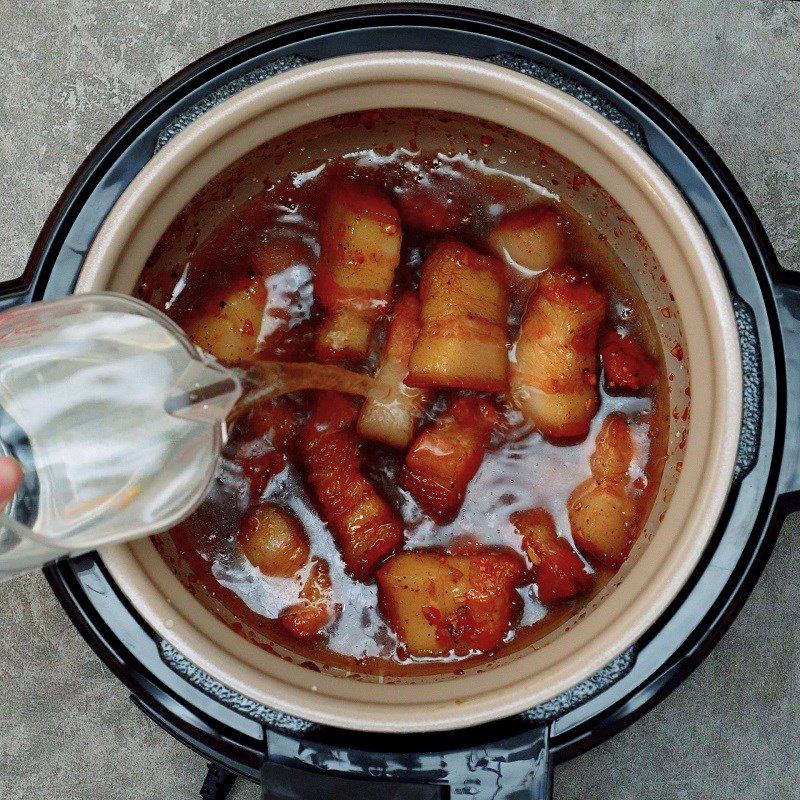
column 248, row 739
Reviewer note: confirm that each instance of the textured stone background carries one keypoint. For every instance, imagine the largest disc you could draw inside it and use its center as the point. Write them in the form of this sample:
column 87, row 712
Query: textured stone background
column 70, row 68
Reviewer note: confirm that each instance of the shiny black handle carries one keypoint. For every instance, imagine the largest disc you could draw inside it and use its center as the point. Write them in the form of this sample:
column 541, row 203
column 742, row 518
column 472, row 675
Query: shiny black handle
column 279, row 782
column 518, row 768
column 787, row 294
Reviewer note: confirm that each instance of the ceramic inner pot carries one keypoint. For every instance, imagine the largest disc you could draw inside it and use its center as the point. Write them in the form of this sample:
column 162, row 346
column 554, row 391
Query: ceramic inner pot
column 210, row 167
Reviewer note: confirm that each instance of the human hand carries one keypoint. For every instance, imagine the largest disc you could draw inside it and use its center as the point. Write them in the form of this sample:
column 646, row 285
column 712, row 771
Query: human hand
column 10, row 478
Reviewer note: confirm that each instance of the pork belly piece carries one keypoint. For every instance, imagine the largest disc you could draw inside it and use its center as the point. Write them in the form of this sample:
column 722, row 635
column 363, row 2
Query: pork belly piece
column 613, row 451
column 560, row 573
column 260, row 461
column 360, row 238
column 365, row 527
column 273, row 539
column 390, row 414
column 315, row 609
column 437, row 602
column 277, row 420
column 434, row 204
column 446, row 454
column 530, row 241
column 554, row 363
column 462, row 342
column 229, row 329
column 626, row 366
column 230, row 323
column 273, row 425
column 603, row 514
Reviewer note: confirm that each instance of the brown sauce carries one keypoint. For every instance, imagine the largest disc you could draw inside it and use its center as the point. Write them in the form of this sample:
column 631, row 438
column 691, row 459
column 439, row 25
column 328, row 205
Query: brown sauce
column 520, row 471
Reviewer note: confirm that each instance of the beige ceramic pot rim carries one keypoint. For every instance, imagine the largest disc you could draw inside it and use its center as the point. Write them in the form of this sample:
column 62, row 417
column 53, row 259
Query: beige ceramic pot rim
column 453, row 84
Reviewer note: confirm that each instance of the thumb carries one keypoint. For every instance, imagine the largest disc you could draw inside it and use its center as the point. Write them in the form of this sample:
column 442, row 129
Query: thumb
column 10, row 478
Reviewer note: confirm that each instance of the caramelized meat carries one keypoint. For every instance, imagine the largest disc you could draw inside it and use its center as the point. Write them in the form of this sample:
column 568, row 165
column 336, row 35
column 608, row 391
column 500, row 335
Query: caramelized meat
column 554, row 368
column 360, row 239
column 560, row 573
column 365, row 527
column 626, row 366
column 306, row 618
column 530, row 241
column 276, row 420
column 390, row 415
column 462, row 342
column 273, row 540
column 228, row 328
column 438, row 602
column 446, row 455
column 602, row 513
column 229, row 323
column 433, row 204
column 260, row 462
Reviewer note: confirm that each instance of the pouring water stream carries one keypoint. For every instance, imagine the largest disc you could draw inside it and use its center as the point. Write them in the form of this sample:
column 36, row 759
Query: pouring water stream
column 118, row 421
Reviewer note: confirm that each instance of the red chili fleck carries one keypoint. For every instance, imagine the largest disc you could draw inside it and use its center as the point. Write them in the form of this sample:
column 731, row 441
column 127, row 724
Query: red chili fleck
column 487, row 140
column 578, row 181
column 602, row 237
column 247, row 328
column 677, row 351
column 432, row 615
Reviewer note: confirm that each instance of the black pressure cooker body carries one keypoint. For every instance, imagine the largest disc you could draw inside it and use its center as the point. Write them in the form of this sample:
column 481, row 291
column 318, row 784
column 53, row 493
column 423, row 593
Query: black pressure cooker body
column 511, row 758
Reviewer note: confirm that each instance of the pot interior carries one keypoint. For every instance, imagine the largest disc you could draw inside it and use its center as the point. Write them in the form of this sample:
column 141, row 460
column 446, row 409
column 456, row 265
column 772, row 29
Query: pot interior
column 218, row 163
column 502, row 151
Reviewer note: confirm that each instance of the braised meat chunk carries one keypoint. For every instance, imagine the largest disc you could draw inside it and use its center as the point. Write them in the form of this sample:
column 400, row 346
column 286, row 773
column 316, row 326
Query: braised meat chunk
column 438, row 603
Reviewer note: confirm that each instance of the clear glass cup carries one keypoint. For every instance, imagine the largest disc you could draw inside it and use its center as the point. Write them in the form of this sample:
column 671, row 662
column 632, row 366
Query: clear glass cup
column 118, row 421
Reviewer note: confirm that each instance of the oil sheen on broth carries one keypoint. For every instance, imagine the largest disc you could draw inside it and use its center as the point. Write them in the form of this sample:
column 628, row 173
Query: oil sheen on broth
column 540, row 526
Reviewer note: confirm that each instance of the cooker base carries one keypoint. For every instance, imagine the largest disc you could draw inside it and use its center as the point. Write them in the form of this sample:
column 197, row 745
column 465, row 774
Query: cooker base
column 207, row 718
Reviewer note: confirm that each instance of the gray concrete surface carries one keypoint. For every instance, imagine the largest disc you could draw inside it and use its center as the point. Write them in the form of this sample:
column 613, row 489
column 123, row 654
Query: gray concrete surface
column 70, row 68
